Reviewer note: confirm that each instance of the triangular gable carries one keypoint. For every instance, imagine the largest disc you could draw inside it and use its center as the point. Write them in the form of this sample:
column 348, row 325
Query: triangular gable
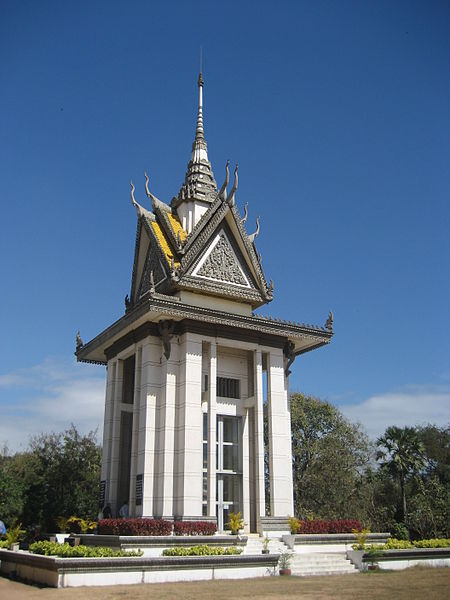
column 206, row 234
column 222, row 263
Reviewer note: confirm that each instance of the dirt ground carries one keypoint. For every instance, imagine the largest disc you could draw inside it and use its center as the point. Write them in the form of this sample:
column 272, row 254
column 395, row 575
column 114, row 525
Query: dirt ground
column 412, row 584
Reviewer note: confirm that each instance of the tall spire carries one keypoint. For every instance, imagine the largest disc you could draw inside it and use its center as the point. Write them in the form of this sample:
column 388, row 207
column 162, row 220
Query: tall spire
column 199, row 184
column 199, row 147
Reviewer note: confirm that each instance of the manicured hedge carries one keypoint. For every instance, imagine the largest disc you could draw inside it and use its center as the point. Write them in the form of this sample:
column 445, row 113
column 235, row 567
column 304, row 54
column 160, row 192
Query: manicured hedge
column 333, row 526
column 67, row 551
column 203, row 550
column 134, row 527
column 194, row 528
column 154, row 527
column 394, row 544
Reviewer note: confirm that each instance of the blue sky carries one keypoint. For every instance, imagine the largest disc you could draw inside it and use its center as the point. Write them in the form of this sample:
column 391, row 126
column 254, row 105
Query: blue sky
column 337, row 113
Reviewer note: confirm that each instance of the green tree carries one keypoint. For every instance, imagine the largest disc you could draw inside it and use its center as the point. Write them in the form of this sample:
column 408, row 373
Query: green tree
column 401, row 455
column 330, row 455
column 58, row 476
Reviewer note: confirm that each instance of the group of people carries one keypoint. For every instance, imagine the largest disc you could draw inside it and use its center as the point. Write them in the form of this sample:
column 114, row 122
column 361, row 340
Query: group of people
column 106, row 511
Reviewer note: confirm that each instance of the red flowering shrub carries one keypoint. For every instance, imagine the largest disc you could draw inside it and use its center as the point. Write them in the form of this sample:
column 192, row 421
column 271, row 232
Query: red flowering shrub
column 134, row 527
column 194, row 528
column 333, row 526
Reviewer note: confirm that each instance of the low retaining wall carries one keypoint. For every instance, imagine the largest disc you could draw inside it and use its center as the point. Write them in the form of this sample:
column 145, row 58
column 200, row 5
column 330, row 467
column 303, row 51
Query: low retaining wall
column 73, row 572
column 153, row 545
column 402, row 559
column 329, row 542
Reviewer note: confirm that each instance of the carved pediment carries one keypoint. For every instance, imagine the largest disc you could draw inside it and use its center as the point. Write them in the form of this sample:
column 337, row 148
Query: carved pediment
column 152, row 265
column 220, row 263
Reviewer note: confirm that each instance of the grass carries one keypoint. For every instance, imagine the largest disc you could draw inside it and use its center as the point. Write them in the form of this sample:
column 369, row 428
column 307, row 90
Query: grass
column 418, row 582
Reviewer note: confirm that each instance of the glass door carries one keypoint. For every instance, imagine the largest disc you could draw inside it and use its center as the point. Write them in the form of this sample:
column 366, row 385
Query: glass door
column 229, row 469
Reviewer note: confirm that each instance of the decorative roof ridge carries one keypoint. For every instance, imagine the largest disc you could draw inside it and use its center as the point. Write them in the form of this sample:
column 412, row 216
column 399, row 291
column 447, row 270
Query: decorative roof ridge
column 153, row 235
column 325, row 329
column 141, row 211
column 156, row 202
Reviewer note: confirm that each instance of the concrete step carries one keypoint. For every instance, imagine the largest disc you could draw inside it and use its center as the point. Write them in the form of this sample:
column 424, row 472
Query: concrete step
column 321, row 564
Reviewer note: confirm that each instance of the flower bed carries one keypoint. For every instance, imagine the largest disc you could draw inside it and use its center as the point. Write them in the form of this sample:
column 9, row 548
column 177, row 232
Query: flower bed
column 202, row 550
column 332, row 526
column 151, row 527
column 194, row 528
column 394, row 544
column 134, row 527
column 66, row 551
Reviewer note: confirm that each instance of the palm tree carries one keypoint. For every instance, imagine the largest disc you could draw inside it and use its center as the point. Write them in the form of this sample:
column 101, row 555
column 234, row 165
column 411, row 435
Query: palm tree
column 402, row 454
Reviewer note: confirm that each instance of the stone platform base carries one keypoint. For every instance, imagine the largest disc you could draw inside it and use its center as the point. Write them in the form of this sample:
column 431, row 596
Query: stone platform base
column 75, row 572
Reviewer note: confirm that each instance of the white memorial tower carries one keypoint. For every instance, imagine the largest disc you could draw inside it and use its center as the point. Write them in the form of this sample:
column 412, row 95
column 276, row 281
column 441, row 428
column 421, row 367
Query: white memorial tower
column 194, row 377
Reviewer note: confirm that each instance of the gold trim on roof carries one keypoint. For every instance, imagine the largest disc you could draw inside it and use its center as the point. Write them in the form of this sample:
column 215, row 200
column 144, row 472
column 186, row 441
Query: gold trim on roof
column 176, row 226
column 164, row 244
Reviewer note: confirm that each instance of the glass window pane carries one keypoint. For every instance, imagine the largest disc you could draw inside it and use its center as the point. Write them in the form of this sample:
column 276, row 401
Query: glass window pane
column 205, row 456
column 205, row 427
column 230, row 430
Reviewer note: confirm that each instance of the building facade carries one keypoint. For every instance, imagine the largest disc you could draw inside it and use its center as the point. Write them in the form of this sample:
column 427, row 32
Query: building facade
column 197, row 383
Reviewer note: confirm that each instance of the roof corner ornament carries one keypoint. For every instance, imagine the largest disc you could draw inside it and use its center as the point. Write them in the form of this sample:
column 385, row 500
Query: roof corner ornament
column 127, row 302
column 270, row 288
column 223, row 190
column 152, row 283
column 329, row 322
column 289, row 356
column 230, row 198
column 179, row 241
column 133, row 199
column 166, row 329
column 253, row 236
column 244, row 218
column 79, row 341
column 154, row 200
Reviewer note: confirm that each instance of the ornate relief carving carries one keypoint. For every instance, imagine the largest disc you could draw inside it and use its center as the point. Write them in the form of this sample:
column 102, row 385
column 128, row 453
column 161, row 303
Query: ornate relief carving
column 152, row 265
column 221, row 264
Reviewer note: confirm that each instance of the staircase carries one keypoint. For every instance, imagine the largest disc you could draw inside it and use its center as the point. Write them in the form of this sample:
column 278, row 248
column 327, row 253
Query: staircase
column 317, row 563
column 255, row 545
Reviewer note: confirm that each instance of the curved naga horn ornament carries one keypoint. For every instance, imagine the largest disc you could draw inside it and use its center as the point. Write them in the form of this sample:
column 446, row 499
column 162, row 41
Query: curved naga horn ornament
column 223, row 190
column 146, row 185
column 230, row 198
column 244, row 218
column 253, row 236
column 133, row 199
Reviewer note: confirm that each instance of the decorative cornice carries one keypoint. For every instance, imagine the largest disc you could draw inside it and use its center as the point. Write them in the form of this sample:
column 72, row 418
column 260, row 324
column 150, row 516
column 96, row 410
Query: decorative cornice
column 181, row 311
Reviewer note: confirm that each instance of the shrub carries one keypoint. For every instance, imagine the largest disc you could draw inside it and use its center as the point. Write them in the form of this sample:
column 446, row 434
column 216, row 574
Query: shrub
column 67, row 551
column 202, row 550
column 400, row 531
column 294, row 525
column 333, row 526
column 4, row 544
column 236, row 522
column 433, row 543
column 194, row 528
column 134, row 527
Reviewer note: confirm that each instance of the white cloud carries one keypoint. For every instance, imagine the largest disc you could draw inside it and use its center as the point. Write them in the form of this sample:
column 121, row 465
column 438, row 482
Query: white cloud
column 49, row 397
column 410, row 406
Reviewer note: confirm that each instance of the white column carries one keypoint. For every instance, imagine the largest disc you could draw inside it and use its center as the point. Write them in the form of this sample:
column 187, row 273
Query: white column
column 135, row 431
column 163, row 503
column 149, row 399
column 245, row 471
column 115, row 439
column 280, row 455
column 188, row 430
column 108, row 426
column 212, row 419
column 259, row 435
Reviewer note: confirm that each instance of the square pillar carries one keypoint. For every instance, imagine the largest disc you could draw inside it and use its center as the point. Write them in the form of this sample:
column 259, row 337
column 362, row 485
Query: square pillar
column 259, row 438
column 280, row 451
column 165, row 433
column 212, row 420
column 188, row 457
